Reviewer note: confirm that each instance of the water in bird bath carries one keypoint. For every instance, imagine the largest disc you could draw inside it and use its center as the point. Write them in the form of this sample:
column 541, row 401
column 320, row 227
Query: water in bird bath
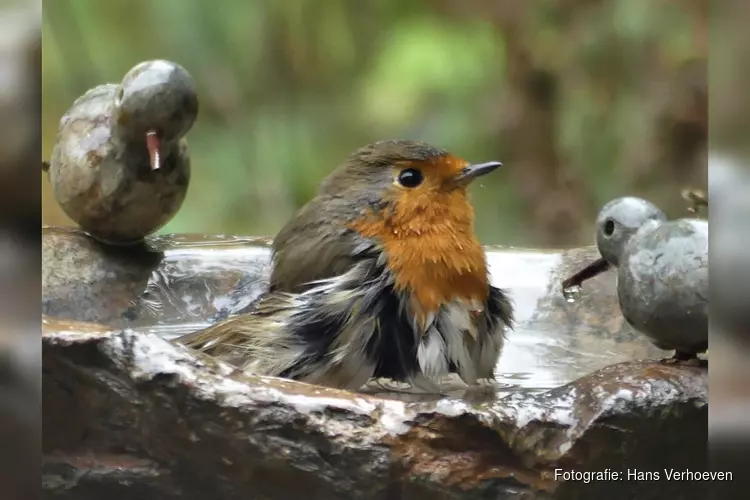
column 572, row 293
column 180, row 283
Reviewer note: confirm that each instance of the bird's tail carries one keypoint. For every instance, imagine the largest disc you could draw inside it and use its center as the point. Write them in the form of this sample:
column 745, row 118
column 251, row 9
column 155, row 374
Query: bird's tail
column 319, row 336
column 260, row 342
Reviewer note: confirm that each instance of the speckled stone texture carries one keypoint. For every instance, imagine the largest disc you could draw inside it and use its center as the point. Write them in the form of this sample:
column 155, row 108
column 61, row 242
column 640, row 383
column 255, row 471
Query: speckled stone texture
column 100, row 166
column 168, row 279
column 662, row 275
column 663, row 285
column 128, row 412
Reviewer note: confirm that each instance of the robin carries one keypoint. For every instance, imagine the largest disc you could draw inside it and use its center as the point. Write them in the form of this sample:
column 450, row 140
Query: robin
column 380, row 275
column 120, row 166
column 662, row 274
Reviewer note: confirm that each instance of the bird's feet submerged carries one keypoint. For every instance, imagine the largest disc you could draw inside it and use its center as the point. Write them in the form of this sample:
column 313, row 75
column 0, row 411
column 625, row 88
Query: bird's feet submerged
column 427, row 389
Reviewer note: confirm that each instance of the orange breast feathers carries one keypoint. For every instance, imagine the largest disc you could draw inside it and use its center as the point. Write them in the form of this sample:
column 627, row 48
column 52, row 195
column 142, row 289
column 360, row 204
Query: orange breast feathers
column 429, row 240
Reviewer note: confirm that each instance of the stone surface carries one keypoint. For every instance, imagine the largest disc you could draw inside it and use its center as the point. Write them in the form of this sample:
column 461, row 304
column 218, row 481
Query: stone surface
column 662, row 272
column 174, row 281
column 131, row 415
column 105, row 173
column 619, row 220
column 663, row 285
column 179, row 283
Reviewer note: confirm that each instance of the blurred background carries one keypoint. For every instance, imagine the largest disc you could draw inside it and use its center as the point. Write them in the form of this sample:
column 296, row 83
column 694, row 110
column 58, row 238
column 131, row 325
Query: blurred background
column 582, row 100
column 20, row 252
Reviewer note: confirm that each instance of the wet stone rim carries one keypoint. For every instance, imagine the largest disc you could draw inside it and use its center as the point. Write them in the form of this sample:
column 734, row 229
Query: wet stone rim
column 201, row 419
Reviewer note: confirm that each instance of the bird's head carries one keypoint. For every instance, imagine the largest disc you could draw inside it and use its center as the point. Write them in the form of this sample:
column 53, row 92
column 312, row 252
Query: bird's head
column 405, row 188
column 155, row 103
column 410, row 200
column 619, row 220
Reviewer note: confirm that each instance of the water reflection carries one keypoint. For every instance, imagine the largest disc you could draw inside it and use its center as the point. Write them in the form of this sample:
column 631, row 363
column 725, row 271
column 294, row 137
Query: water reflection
column 201, row 280
column 196, row 280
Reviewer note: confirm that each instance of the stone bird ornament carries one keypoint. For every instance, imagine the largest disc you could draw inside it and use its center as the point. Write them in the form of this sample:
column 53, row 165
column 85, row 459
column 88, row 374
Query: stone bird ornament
column 120, row 167
column 662, row 273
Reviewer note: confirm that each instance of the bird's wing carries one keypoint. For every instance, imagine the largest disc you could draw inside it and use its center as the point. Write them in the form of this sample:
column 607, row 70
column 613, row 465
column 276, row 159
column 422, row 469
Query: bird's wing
column 315, row 245
column 492, row 324
column 248, row 334
column 318, row 336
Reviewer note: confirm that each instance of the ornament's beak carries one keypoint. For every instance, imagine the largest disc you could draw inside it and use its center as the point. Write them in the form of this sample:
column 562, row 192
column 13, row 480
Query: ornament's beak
column 154, row 149
column 591, row 271
column 471, row 172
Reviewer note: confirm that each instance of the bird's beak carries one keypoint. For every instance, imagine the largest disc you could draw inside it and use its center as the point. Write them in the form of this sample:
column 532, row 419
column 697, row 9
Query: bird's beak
column 591, row 271
column 154, row 149
column 471, row 172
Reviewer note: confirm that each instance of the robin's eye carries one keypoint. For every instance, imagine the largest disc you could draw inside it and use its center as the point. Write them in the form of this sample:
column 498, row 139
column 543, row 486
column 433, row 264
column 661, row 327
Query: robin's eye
column 410, row 178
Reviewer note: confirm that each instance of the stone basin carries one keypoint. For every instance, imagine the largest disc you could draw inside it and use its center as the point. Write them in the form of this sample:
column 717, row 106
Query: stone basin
column 175, row 284
column 129, row 413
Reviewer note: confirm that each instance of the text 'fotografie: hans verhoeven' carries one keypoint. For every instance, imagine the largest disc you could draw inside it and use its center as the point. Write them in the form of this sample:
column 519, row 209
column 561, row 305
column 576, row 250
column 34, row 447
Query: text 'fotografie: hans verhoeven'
column 640, row 475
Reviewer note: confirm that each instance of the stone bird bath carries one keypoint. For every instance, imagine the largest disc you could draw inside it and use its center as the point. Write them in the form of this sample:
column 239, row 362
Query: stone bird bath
column 128, row 414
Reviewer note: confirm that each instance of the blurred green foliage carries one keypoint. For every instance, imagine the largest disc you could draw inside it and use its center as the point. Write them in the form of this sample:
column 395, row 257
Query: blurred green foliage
column 288, row 88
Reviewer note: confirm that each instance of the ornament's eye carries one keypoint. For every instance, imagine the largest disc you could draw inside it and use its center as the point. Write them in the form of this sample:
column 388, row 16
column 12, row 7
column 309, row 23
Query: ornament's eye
column 609, row 227
column 410, row 178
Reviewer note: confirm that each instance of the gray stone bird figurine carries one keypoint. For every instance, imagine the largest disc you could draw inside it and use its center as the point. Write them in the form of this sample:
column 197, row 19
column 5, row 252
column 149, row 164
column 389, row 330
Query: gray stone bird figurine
column 120, row 167
column 662, row 273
